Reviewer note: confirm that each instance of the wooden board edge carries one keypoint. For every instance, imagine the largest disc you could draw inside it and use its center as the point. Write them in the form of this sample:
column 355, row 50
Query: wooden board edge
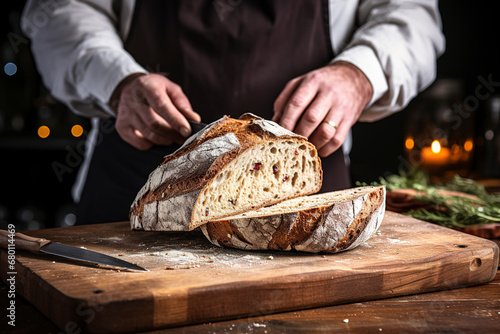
column 41, row 295
column 76, row 315
column 253, row 299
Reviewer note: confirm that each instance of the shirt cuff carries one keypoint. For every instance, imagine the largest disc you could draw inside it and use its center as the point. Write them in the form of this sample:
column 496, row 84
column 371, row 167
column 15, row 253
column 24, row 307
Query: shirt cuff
column 105, row 72
column 365, row 59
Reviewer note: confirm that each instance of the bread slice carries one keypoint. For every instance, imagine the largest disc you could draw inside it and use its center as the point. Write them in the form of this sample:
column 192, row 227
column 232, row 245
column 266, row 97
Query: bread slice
column 230, row 167
column 329, row 222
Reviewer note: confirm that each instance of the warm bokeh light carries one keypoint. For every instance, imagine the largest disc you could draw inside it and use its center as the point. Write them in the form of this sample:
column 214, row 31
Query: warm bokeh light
column 468, row 145
column 77, row 130
column 436, row 146
column 409, row 143
column 43, row 131
column 455, row 149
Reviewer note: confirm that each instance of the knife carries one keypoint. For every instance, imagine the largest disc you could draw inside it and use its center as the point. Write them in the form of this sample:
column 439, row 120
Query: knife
column 196, row 126
column 22, row 241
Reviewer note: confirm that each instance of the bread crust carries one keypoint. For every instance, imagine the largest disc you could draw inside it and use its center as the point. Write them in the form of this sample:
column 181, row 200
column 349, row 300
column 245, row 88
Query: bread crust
column 332, row 228
column 167, row 200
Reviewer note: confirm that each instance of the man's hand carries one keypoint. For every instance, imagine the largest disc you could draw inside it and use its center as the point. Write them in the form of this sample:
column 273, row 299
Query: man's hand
column 151, row 110
column 324, row 104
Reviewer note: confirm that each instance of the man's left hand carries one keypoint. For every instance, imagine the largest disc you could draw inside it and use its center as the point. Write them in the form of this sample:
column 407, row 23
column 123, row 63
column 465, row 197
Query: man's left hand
column 324, row 104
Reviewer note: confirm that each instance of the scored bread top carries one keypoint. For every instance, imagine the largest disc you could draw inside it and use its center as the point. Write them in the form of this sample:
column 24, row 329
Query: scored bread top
column 249, row 129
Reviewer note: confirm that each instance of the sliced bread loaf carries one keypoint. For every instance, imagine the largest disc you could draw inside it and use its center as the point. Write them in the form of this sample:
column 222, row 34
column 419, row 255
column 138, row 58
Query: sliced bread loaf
column 328, row 222
column 230, row 167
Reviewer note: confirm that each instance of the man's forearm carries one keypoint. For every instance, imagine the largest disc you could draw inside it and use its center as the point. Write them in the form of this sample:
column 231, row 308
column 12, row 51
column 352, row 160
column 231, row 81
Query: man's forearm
column 78, row 53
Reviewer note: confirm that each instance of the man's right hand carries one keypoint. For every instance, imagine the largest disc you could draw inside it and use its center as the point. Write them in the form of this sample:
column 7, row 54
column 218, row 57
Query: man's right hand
column 152, row 110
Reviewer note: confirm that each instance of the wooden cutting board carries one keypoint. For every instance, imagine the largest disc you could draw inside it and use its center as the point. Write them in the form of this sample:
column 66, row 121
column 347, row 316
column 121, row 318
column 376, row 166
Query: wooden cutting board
column 191, row 281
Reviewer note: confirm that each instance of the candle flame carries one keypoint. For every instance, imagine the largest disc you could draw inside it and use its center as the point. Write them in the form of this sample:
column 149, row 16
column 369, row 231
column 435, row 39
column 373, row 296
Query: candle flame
column 436, row 147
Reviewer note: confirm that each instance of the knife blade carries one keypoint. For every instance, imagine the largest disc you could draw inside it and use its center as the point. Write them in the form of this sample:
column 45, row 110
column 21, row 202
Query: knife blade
column 24, row 242
column 196, row 126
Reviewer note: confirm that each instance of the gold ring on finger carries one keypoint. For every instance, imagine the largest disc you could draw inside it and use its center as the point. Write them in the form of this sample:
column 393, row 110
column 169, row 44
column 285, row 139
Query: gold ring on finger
column 332, row 124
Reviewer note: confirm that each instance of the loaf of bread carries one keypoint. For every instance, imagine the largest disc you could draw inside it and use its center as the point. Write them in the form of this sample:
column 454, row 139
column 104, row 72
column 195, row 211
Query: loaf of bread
column 230, row 167
column 328, row 222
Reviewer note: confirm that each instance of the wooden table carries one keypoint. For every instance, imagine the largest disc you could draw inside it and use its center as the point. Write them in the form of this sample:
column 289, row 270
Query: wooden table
column 468, row 310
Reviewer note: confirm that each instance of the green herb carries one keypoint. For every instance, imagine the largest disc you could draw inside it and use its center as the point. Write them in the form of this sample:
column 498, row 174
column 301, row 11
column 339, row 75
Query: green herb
column 449, row 210
column 414, row 179
column 459, row 211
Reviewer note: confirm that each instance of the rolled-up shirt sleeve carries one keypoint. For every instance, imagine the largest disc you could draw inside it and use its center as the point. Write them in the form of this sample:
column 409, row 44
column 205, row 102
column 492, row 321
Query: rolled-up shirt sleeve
column 396, row 46
column 78, row 53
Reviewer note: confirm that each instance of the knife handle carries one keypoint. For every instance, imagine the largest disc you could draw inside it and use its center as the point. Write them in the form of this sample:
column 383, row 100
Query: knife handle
column 22, row 241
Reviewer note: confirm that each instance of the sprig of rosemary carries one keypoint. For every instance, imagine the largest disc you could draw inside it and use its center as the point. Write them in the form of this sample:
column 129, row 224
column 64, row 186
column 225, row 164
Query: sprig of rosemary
column 458, row 211
column 415, row 179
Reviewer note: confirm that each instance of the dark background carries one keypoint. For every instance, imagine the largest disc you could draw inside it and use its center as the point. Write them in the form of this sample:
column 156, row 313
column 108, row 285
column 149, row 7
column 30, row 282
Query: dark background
column 33, row 197
column 472, row 36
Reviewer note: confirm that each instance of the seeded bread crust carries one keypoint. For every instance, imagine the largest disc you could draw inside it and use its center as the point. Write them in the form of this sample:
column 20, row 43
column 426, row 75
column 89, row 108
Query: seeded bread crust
column 338, row 221
column 170, row 200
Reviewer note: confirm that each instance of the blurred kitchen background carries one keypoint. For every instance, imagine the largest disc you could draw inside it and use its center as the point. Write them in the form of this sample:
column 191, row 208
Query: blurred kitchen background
column 452, row 127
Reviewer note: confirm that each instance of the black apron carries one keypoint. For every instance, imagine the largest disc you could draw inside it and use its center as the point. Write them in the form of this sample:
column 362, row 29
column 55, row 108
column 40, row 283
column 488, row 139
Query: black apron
column 229, row 57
